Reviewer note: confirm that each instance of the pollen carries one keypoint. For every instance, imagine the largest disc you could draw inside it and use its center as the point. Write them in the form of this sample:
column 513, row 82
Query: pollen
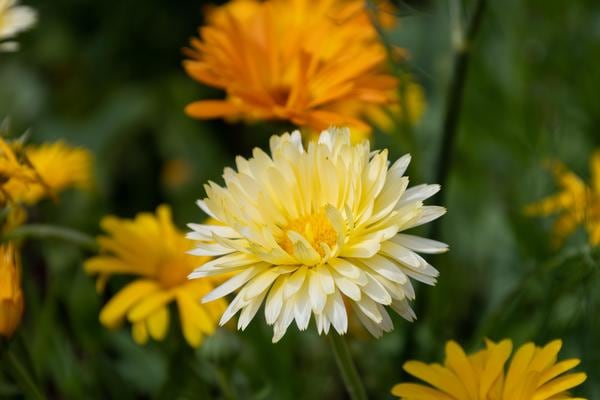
column 315, row 228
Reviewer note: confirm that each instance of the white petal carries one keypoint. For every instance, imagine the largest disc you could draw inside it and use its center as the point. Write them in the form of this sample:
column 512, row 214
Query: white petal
column 233, row 283
column 294, row 282
column 250, row 310
column 208, row 230
column 428, row 214
column 362, row 249
column 370, row 309
column 204, row 207
column 302, row 309
column 317, row 295
column 418, row 193
column 274, row 302
column 400, row 253
column 376, row 291
column 208, row 249
column 385, row 268
column 347, row 287
column 421, row 245
column 336, row 313
column 345, row 267
column 403, row 309
column 325, row 279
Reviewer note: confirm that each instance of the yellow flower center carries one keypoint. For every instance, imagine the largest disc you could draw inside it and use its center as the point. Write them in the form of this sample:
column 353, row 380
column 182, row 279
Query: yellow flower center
column 173, row 273
column 315, row 228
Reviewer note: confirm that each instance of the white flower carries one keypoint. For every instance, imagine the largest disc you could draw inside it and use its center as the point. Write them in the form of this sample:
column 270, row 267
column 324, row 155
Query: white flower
column 13, row 20
column 315, row 232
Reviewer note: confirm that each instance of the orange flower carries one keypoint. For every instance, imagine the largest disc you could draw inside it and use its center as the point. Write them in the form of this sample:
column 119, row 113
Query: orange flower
column 299, row 61
column 11, row 295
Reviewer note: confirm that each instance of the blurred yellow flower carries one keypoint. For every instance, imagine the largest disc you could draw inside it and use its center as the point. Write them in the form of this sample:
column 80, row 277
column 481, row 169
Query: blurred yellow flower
column 576, row 202
column 533, row 374
column 11, row 295
column 152, row 248
column 13, row 169
column 14, row 19
column 306, row 229
column 298, row 61
column 176, row 173
column 59, row 166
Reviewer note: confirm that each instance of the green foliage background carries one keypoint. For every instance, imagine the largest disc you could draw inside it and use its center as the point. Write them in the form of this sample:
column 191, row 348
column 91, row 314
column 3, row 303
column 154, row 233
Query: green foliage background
column 108, row 76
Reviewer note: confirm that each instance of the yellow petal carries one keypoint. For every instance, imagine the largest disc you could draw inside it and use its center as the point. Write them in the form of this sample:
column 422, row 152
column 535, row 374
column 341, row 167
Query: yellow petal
column 559, row 385
column 139, row 332
column 415, row 391
column 494, row 368
column 158, row 323
column 458, row 362
column 114, row 311
column 148, row 305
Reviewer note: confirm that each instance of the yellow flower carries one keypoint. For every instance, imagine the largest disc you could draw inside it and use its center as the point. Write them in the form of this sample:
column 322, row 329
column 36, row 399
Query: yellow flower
column 13, row 20
column 59, row 166
column 152, row 248
column 11, row 295
column 577, row 203
column 13, row 169
column 298, row 61
column 305, row 229
column 533, row 374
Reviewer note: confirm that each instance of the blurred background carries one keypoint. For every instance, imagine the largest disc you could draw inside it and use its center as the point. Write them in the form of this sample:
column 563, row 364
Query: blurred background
column 108, row 76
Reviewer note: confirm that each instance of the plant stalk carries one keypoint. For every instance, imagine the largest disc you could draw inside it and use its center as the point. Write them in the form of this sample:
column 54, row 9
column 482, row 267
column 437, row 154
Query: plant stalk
column 41, row 231
column 352, row 380
column 462, row 43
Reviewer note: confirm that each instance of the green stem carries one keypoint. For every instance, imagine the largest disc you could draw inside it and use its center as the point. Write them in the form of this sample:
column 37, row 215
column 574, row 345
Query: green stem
column 462, row 43
column 224, row 384
column 41, row 231
column 23, row 377
column 354, row 385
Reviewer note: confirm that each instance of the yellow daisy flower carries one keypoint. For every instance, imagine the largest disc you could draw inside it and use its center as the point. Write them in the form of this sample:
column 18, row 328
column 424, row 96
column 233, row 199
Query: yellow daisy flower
column 305, row 229
column 11, row 294
column 59, row 166
column 14, row 19
column 152, row 248
column 298, row 61
column 577, row 202
column 533, row 374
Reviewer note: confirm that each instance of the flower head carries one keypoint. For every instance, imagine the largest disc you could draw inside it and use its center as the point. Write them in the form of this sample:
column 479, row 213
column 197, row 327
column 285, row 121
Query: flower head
column 11, row 295
column 14, row 19
column 298, row 61
column 59, row 166
column 533, row 374
column 153, row 249
column 576, row 202
column 315, row 231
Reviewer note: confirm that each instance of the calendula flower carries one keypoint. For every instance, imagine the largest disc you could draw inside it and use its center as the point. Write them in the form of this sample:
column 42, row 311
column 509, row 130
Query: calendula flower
column 11, row 294
column 14, row 19
column 298, row 61
column 153, row 249
column 59, row 167
column 316, row 231
column 576, row 202
column 533, row 374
